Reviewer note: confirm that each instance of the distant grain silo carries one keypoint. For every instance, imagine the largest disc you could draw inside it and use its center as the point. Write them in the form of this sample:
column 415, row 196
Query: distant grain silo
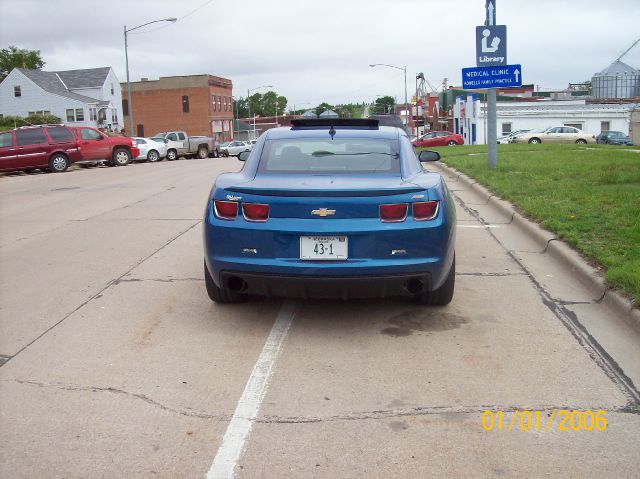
column 619, row 80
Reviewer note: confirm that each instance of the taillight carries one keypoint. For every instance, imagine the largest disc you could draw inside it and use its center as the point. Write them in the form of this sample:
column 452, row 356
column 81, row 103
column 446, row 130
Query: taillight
column 227, row 210
column 425, row 210
column 393, row 213
column 255, row 211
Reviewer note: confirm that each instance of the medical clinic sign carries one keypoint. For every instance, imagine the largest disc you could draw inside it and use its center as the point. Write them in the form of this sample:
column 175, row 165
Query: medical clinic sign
column 491, row 77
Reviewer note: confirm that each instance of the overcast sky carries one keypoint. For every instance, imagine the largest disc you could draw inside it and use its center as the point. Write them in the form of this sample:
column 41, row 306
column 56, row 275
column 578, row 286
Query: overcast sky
column 320, row 50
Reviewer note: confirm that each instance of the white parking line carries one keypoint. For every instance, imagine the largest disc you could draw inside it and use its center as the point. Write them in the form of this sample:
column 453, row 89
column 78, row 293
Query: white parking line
column 239, row 428
column 478, row 226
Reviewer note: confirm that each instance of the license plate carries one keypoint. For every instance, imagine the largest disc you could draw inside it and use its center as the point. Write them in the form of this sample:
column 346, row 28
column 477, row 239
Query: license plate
column 323, row 247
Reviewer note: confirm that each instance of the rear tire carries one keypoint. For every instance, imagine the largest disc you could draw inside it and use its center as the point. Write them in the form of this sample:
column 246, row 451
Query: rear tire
column 216, row 153
column 452, row 143
column 535, row 141
column 58, row 163
column 581, row 142
column 120, row 157
column 444, row 294
column 202, row 153
column 172, row 155
column 220, row 295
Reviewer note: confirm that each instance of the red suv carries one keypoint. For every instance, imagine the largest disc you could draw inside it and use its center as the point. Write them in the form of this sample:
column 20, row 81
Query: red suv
column 96, row 147
column 52, row 147
column 439, row 138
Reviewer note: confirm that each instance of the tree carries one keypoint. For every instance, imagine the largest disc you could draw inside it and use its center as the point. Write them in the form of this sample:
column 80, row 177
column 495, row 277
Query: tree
column 323, row 107
column 384, row 105
column 14, row 57
column 240, row 109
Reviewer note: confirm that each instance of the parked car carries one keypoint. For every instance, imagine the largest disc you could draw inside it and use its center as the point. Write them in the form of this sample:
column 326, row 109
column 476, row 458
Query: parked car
column 609, row 137
column 556, row 134
column 334, row 208
column 438, row 138
column 97, row 147
column 50, row 147
column 235, row 147
column 506, row 139
column 189, row 146
column 150, row 149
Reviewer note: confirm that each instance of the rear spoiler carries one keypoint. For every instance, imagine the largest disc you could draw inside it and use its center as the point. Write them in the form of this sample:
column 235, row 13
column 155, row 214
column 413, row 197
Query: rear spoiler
column 358, row 123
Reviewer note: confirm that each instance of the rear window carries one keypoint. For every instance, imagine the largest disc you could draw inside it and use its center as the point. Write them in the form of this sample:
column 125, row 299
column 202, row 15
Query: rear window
column 6, row 139
column 350, row 155
column 30, row 137
column 60, row 134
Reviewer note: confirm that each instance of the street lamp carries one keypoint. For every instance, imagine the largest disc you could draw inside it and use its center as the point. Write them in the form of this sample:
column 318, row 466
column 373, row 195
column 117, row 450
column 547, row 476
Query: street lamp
column 404, row 69
column 249, row 90
column 298, row 104
column 126, row 54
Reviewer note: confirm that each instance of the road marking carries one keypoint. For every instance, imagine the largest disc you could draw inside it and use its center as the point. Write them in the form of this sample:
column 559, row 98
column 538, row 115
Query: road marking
column 478, row 226
column 248, row 406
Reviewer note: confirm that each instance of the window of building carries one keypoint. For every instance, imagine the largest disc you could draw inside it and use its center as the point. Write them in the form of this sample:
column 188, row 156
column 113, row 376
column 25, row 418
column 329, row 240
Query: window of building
column 213, row 102
column 31, row 136
column 17, row 91
column 140, row 130
column 605, row 125
column 506, row 128
column 577, row 125
column 185, row 104
column 39, row 113
column 76, row 114
column 114, row 117
column 112, row 90
column 219, row 103
column 125, row 107
column 93, row 114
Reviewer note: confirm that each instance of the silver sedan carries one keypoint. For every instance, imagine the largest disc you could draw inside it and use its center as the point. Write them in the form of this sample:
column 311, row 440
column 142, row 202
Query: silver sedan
column 150, row 149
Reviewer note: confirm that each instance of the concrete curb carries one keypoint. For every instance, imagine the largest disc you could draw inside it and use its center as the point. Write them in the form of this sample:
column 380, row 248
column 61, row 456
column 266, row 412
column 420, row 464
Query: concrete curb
column 589, row 276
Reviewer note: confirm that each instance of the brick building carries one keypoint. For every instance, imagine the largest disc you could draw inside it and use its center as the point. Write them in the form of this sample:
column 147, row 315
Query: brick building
column 197, row 104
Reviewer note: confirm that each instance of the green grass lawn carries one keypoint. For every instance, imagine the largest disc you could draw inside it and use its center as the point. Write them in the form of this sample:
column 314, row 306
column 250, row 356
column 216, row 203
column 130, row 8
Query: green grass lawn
column 588, row 196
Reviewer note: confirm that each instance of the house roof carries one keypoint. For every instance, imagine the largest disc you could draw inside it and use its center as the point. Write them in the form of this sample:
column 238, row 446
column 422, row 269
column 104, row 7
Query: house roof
column 53, row 83
column 87, row 78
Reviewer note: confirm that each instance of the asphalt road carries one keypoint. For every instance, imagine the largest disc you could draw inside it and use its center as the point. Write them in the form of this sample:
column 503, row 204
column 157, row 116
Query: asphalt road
column 116, row 364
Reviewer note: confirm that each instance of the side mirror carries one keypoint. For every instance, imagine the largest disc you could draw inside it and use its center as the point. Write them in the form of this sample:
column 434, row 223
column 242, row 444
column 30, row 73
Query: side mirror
column 426, row 156
column 244, row 155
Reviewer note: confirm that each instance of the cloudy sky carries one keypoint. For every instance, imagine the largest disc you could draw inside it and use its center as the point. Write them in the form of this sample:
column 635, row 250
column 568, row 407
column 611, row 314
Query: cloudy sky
column 320, row 50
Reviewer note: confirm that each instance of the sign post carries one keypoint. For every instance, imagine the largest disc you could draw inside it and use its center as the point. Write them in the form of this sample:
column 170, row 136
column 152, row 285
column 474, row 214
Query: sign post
column 491, row 43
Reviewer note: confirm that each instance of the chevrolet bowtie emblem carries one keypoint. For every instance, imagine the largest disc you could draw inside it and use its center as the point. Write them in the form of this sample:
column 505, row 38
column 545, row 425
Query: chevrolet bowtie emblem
column 323, row 212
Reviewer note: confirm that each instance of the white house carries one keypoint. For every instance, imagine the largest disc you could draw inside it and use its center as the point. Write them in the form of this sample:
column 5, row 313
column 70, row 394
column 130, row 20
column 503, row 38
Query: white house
column 90, row 97
column 470, row 116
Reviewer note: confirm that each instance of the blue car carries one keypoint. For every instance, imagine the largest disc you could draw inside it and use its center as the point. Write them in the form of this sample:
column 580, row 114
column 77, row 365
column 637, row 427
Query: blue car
column 331, row 209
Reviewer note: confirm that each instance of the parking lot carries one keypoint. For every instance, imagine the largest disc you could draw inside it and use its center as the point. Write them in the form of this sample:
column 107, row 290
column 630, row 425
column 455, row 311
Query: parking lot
column 116, row 364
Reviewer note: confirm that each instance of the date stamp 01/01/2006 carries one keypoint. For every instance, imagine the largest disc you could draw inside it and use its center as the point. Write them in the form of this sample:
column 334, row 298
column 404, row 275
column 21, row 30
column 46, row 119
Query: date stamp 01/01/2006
column 557, row 419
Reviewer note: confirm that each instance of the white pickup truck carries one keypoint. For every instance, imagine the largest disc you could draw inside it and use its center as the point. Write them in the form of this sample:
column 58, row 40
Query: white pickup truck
column 180, row 144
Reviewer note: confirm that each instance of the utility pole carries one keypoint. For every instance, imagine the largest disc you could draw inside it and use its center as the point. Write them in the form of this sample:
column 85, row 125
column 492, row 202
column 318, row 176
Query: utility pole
column 492, row 118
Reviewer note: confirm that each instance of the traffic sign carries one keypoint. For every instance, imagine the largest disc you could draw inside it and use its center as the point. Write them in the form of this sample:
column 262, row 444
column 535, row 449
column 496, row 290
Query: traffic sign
column 491, row 45
column 507, row 76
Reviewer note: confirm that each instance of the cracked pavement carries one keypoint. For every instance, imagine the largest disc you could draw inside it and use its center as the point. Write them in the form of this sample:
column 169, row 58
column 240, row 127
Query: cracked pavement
column 114, row 363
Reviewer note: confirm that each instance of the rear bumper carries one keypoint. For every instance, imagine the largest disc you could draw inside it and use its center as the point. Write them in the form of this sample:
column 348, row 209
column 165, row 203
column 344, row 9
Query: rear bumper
column 324, row 287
